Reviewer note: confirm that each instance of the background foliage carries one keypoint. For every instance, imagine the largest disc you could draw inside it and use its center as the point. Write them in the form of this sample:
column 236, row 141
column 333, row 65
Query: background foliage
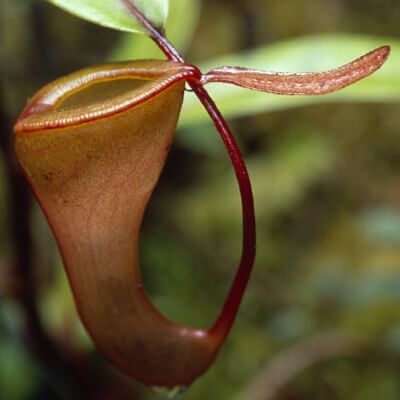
column 326, row 180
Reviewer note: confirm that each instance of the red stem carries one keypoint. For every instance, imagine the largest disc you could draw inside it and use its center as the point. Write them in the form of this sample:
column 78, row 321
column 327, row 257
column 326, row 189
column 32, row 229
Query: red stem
column 227, row 316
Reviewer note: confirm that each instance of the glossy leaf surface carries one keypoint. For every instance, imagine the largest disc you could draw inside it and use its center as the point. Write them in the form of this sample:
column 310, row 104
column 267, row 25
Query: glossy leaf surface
column 113, row 14
column 180, row 27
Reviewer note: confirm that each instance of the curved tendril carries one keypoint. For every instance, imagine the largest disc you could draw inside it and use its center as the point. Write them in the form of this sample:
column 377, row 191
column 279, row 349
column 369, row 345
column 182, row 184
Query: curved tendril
column 222, row 326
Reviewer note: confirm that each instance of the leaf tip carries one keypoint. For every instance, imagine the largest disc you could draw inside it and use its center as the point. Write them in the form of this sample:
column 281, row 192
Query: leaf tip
column 383, row 53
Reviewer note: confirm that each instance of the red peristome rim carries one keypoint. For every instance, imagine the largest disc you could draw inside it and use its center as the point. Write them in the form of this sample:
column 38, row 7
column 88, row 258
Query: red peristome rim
column 40, row 113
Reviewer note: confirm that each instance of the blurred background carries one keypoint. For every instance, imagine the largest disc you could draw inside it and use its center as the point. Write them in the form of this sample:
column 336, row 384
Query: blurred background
column 321, row 317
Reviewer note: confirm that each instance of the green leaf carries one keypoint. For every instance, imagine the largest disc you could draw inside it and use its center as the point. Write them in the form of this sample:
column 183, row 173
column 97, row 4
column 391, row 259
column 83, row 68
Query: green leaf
column 113, row 13
column 307, row 54
column 155, row 10
column 180, row 26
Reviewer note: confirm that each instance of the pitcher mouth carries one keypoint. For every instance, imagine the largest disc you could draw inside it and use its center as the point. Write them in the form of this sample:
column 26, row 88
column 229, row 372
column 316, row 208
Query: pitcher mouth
column 77, row 99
